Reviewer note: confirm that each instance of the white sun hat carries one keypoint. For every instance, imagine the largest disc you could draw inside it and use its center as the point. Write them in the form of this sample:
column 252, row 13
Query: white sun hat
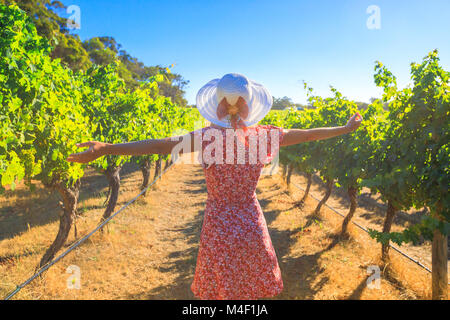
column 232, row 86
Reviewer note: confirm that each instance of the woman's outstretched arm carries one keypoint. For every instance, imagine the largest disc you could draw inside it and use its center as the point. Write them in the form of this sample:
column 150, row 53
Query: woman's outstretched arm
column 296, row 136
column 152, row 146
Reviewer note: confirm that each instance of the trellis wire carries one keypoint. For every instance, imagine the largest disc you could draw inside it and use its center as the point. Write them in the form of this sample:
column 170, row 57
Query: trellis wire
column 364, row 229
column 77, row 243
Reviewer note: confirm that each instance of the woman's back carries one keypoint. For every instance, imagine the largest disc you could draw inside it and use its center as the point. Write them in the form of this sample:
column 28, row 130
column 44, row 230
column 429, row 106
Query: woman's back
column 236, row 259
column 233, row 178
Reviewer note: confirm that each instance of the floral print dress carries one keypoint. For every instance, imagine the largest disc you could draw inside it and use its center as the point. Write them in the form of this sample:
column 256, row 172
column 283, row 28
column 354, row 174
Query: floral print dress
column 236, row 259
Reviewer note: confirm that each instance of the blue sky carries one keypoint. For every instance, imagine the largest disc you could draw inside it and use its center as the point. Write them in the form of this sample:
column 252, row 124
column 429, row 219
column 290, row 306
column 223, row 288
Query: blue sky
column 276, row 43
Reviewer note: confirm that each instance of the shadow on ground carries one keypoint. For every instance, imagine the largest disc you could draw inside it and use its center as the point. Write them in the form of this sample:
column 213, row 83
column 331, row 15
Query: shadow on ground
column 42, row 207
column 181, row 263
column 375, row 211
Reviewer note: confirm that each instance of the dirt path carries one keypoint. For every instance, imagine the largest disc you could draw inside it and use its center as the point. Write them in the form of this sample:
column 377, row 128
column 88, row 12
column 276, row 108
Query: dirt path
column 151, row 248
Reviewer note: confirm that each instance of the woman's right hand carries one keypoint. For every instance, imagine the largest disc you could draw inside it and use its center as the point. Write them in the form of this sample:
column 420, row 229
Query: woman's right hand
column 96, row 150
column 354, row 122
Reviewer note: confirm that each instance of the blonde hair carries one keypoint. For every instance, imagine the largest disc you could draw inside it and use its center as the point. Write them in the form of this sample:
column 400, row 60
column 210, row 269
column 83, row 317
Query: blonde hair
column 233, row 109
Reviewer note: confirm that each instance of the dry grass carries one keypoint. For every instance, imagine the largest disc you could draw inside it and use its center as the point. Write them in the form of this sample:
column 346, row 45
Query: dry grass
column 151, row 248
column 324, row 265
column 370, row 213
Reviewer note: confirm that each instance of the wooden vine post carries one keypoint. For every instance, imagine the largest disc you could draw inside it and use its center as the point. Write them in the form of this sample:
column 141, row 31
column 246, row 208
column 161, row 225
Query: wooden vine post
column 439, row 260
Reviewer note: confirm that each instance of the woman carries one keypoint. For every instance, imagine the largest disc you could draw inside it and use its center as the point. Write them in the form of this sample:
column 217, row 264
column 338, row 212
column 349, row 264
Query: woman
column 236, row 259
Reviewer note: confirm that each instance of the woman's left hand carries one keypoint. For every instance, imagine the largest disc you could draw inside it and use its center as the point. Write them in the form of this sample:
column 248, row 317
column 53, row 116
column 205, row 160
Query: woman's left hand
column 354, row 122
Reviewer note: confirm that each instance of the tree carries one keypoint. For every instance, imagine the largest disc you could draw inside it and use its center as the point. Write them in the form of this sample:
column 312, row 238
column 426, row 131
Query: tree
column 80, row 56
column 40, row 114
column 282, row 103
column 421, row 118
column 105, row 50
column 53, row 27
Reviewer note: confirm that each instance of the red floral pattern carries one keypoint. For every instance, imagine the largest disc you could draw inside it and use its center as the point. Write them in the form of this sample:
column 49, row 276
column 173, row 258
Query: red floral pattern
column 236, row 259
